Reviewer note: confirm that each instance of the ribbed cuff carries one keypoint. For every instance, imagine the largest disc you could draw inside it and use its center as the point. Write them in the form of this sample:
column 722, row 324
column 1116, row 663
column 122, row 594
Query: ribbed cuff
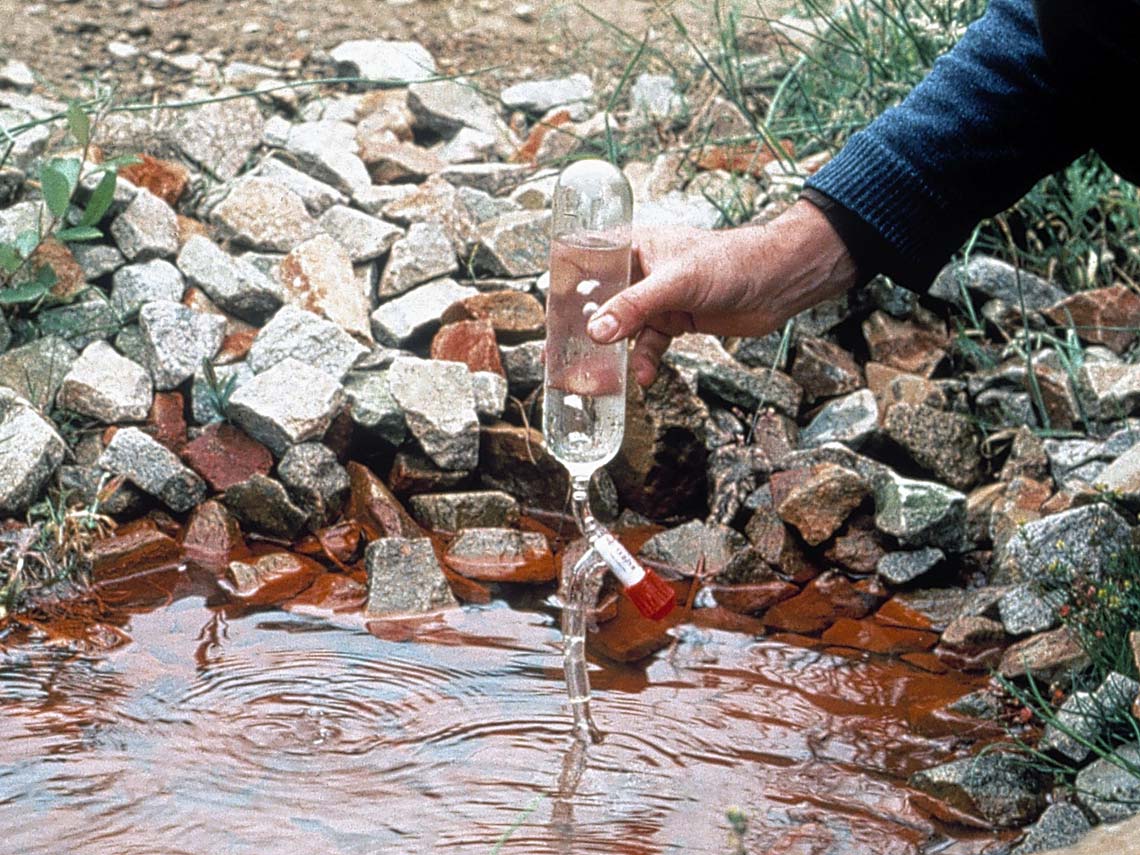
column 865, row 246
column 892, row 202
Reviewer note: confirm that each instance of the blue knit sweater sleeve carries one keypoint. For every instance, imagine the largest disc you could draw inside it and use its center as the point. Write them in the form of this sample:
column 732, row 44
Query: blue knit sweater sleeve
column 968, row 141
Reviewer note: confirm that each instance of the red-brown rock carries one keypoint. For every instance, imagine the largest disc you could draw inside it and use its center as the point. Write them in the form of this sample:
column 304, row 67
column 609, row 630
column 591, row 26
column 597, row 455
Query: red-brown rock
column 751, row 599
column 212, row 536
column 910, row 346
column 134, row 548
column 877, row 638
column 818, row 500
column 470, row 342
column 225, row 455
column 412, row 474
column 859, row 547
column 166, row 422
column 778, row 546
column 824, row 370
column 502, row 555
column 629, row 636
column 69, row 276
column 329, row 592
column 373, row 507
column 270, row 579
column 1105, row 316
column 515, row 316
column 823, row 600
column 164, row 178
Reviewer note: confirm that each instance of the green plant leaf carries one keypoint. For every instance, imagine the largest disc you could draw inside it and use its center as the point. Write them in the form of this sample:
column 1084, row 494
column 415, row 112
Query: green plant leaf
column 119, row 162
column 9, row 258
column 29, row 292
column 27, row 241
column 46, row 277
column 79, row 233
column 79, row 123
column 56, row 189
column 101, row 198
column 69, row 167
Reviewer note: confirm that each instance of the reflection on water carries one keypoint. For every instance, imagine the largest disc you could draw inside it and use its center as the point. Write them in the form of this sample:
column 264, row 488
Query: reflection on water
column 277, row 732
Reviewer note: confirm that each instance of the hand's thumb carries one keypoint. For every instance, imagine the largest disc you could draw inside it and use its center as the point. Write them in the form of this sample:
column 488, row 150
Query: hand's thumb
column 624, row 314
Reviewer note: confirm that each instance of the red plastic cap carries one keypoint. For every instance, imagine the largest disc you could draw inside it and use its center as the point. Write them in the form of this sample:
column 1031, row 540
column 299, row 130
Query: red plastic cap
column 653, row 596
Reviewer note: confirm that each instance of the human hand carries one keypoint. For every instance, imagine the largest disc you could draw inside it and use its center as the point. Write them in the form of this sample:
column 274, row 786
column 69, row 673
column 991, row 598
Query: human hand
column 743, row 281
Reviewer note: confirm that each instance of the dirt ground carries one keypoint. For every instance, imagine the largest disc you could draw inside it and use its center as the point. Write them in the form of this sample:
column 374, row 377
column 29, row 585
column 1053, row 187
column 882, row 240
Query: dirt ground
column 66, row 42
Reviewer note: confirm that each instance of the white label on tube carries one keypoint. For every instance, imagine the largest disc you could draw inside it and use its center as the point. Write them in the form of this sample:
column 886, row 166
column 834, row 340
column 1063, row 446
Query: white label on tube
column 617, row 557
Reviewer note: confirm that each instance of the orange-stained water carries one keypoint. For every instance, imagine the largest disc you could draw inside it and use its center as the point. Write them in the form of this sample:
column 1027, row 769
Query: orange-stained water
column 218, row 731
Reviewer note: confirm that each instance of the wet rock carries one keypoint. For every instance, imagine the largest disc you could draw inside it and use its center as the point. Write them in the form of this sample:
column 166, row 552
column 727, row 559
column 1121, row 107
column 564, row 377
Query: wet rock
column 470, row 342
column 851, row 420
column 824, row 370
column 490, row 390
column 452, row 512
column 1102, row 316
column 1046, row 656
column 416, row 313
column 1086, row 718
column 660, row 467
column 372, row 406
column 752, row 598
column 224, row 455
column 1000, row 788
column 36, row 370
column 270, row 579
column 318, row 276
column 1107, row 791
column 823, row 600
column 817, row 501
column 176, row 340
column 439, row 406
column 515, row 317
column 684, row 547
column 1062, row 824
column 1088, row 540
column 654, row 97
column 264, row 214
column 146, row 229
column 446, row 106
column 971, row 633
column 30, row 452
column 539, row 96
column 426, row 253
column 261, row 503
column 372, row 506
column 404, row 576
column 921, row 513
column 502, row 555
column 364, row 237
column 436, row 201
column 930, row 608
column 990, row 279
column 1024, row 610
column 944, row 444
column 105, row 386
column 873, row 637
column 220, row 137
column 294, row 333
column 907, row 345
column 720, row 375
column 234, row 284
column 412, row 473
column 134, row 548
column 899, row 568
column 326, row 150
column 268, row 408
column 390, row 62
column 777, row 546
column 515, row 244
column 152, row 468
column 316, row 481
column 135, row 285
column 524, row 367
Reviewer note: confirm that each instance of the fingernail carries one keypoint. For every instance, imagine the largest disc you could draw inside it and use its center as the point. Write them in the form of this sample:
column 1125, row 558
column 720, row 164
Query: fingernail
column 602, row 328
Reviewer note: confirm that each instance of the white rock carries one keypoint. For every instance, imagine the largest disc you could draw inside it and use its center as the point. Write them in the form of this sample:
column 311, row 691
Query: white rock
column 364, row 237
column 384, row 61
column 268, row 408
column 417, row 312
column 106, row 386
column 426, row 253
